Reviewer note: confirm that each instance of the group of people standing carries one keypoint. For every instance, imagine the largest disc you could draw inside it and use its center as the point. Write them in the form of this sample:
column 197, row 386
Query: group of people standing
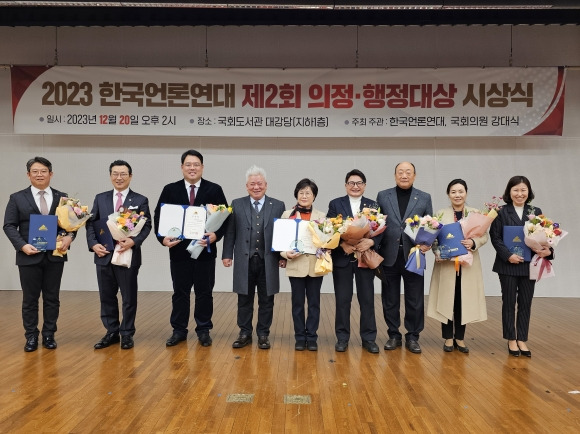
column 456, row 298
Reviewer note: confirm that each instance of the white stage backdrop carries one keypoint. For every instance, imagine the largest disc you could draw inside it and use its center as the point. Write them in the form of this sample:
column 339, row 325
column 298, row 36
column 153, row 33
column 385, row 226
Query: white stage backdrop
column 288, row 102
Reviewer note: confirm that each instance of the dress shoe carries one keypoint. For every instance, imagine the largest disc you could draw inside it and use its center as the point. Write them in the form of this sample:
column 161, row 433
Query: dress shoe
column 448, row 348
column 513, row 352
column 393, row 343
column 204, row 339
column 242, row 341
column 370, row 346
column 127, row 342
column 341, row 346
column 263, row 342
column 462, row 349
column 174, row 340
column 413, row 346
column 48, row 342
column 107, row 340
column 300, row 345
column 525, row 353
column 311, row 345
column 31, row 344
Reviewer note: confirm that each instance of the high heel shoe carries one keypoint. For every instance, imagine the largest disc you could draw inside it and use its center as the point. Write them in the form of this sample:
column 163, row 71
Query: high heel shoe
column 447, row 348
column 512, row 352
column 525, row 353
column 461, row 349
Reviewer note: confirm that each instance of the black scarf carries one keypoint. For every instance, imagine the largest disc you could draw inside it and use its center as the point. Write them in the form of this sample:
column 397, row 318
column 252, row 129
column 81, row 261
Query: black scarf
column 298, row 208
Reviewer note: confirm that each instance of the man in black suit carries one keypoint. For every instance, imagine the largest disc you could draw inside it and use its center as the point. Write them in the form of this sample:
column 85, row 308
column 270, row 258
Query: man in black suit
column 186, row 271
column 399, row 203
column 248, row 240
column 40, row 271
column 345, row 267
column 112, row 278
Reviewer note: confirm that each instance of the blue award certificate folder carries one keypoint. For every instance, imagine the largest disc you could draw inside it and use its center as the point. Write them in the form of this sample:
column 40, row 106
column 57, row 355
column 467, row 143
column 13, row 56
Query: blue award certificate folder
column 103, row 234
column 449, row 240
column 42, row 231
column 513, row 238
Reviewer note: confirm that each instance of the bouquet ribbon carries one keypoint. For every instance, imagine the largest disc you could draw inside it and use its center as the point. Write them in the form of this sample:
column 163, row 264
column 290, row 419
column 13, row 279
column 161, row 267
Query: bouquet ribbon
column 417, row 248
column 544, row 265
column 206, row 238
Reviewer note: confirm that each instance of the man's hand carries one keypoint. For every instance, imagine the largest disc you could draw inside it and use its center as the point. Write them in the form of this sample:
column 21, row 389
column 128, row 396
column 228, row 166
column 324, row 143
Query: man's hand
column 282, row 263
column 170, row 242
column 126, row 244
column 348, row 249
column 227, row 262
column 29, row 249
column 364, row 244
column 212, row 239
column 424, row 249
column 65, row 243
column 100, row 250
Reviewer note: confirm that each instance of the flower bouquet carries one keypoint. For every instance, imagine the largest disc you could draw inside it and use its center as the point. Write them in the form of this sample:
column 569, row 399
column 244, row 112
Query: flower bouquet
column 326, row 236
column 71, row 217
column 423, row 231
column 368, row 223
column 216, row 216
column 540, row 232
column 123, row 224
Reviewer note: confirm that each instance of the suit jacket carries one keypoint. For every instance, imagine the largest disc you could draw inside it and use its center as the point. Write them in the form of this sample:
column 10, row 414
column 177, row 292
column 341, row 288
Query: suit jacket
column 103, row 206
column 341, row 205
column 442, row 290
column 176, row 193
column 17, row 224
column 237, row 242
column 508, row 216
column 419, row 204
column 303, row 265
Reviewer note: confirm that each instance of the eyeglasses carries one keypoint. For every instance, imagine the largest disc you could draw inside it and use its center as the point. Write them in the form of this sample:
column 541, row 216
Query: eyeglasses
column 119, row 175
column 39, row 172
column 305, row 193
column 357, row 183
column 188, row 165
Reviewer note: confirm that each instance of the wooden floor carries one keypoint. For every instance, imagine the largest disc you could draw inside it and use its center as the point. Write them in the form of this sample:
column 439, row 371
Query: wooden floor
column 190, row 389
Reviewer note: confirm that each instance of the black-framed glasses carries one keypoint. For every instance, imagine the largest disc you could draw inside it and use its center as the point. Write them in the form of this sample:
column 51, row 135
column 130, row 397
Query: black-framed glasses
column 357, row 183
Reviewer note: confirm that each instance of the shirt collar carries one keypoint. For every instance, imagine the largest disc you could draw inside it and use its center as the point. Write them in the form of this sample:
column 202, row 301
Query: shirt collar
column 36, row 190
column 187, row 184
column 260, row 201
column 124, row 193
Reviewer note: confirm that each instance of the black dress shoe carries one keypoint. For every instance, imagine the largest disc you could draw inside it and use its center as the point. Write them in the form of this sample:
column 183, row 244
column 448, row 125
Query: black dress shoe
column 31, row 344
column 300, row 345
column 448, row 348
column 341, row 346
column 48, row 342
column 127, row 342
column 263, row 342
column 311, row 345
column 524, row 353
column 413, row 346
column 107, row 340
column 204, row 339
column 513, row 352
column 461, row 349
column 371, row 347
column 174, row 340
column 393, row 343
column 242, row 341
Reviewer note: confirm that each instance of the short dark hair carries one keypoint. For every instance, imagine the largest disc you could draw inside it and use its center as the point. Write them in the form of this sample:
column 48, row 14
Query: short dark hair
column 193, row 153
column 456, row 181
column 398, row 164
column 355, row 172
column 40, row 160
column 303, row 183
column 515, row 180
column 120, row 163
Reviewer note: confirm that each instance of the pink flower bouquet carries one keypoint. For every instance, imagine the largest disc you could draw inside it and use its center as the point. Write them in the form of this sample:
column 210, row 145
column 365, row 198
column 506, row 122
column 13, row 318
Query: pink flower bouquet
column 123, row 224
column 71, row 217
column 540, row 232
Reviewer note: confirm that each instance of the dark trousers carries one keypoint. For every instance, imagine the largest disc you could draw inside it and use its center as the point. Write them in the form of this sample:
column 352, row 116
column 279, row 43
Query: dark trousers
column 516, row 290
column 200, row 275
column 43, row 278
column 306, row 289
column 447, row 328
column 256, row 279
column 111, row 279
column 414, row 300
column 365, row 292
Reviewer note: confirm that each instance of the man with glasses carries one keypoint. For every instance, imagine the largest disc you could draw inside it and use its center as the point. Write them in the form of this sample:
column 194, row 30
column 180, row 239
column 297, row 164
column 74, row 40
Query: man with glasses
column 345, row 268
column 40, row 271
column 186, row 271
column 112, row 278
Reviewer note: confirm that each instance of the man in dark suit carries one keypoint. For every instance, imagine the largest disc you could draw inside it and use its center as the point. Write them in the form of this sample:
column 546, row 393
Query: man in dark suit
column 112, row 278
column 345, row 267
column 249, row 239
column 186, row 271
column 40, row 271
column 399, row 203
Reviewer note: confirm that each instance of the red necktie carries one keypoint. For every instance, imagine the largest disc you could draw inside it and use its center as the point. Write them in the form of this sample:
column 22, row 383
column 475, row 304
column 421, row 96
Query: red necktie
column 119, row 201
column 191, row 194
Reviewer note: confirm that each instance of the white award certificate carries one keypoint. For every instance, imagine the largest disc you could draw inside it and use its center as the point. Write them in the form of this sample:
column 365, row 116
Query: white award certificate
column 194, row 223
column 305, row 238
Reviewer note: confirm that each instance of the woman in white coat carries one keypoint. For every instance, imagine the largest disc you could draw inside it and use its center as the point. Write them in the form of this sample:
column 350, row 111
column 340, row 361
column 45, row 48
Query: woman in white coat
column 456, row 299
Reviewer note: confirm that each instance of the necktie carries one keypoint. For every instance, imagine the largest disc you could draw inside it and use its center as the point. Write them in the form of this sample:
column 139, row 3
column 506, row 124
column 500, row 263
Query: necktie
column 257, row 206
column 191, row 194
column 43, row 205
column 119, row 201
